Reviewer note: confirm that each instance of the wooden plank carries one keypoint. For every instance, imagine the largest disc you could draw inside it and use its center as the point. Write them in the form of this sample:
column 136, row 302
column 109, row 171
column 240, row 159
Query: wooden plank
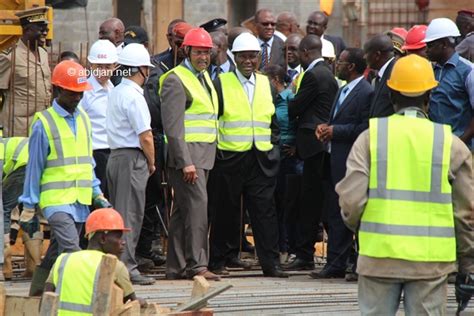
column 200, row 287
column 130, row 309
column 154, row 309
column 22, row 306
column 101, row 305
column 116, row 301
column 49, row 304
column 3, row 295
column 164, row 11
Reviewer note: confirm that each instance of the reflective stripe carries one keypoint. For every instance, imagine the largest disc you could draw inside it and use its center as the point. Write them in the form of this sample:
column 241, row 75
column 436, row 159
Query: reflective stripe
column 54, row 132
column 407, row 230
column 382, row 192
column 61, row 273
column 89, row 134
column 81, row 308
column 68, row 161
column 59, row 185
column 199, row 117
column 19, row 148
column 201, row 130
column 239, row 124
column 244, row 138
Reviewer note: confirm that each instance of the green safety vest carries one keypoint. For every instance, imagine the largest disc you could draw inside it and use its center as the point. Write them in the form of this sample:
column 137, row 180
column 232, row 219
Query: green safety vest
column 200, row 118
column 2, row 151
column 409, row 213
column 16, row 154
column 242, row 124
column 75, row 277
column 67, row 177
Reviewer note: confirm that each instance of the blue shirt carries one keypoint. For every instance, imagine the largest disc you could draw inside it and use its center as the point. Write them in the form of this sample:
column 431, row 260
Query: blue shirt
column 39, row 150
column 287, row 127
column 452, row 101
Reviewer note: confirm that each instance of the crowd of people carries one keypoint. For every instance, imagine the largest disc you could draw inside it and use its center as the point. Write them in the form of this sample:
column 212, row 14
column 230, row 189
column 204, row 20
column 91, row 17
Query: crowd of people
column 289, row 131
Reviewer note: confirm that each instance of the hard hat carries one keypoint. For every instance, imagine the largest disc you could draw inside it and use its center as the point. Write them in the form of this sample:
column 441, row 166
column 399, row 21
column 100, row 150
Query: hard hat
column 415, row 38
column 398, row 35
column 197, row 37
column 135, row 55
column 105, row 219
column 245, row 42
column 412, row 76
column 71, row 76
column 328, row 49
column 102, row 52
column 441, row 28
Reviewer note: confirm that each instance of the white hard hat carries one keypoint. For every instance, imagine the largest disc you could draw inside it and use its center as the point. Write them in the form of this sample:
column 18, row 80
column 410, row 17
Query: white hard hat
column 440, row 28
column 102, row 52
column 328, row 49
column 245, row 42
column 135, row 55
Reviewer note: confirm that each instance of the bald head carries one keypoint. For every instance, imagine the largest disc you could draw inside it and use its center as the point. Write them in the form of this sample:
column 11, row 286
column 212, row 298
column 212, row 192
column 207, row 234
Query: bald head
column 292, row 43
column 219, row 51
column 294, row 39
column 112, row 29
column 378, row 50
column 309, row 49
column 234, row 32
column 287, row 23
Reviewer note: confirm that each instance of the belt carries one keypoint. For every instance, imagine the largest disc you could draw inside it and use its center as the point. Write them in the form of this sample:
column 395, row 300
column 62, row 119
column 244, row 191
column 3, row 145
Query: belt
column 128, row 148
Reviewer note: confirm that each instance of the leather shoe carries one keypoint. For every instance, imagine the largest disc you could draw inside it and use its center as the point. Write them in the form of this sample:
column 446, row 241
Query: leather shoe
column 275, row 273
column 326, row 273
column 220, row 270
column 299, row 265
column 174, row 276
column 141, row 280
column 208, row 275
column 237, row 263
column 247, row 247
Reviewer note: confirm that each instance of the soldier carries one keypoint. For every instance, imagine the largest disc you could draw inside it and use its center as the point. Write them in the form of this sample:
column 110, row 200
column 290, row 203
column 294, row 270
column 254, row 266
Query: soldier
column 30, row 89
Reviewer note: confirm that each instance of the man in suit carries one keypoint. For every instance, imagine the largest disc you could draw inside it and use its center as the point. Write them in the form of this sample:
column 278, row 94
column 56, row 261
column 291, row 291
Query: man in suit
column 189, row 116
column 291, row 46
column 379, row 56
column 247, row 163
column 348, row 118
column 311, row 106
column 174, row 55
column 317, row 24
column 220, row 61
column 271, row 46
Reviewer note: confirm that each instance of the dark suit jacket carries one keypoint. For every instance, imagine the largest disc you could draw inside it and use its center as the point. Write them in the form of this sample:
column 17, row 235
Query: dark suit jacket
column 351, row 119
column 231, row 68
column 269, row 161
column 276, row 55
column 165, row 60
column 338, row 43
column 381, row 105
column 311, row 107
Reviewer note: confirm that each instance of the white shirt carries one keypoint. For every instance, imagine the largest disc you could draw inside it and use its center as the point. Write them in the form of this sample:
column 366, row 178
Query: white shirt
column 127, row 115
column 313, row 63
column 298, row 70
column 280, row 35
column 248, row 84
column 269, row 47
column 94, row 102
column 383, row 68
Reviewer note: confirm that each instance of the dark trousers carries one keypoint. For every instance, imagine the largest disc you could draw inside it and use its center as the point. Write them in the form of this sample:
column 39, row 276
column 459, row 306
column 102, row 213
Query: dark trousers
column 312, row 204
column 101, row 156
column 225, row 197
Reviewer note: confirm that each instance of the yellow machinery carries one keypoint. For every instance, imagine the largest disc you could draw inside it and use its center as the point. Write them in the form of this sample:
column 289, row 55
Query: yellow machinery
column 10, row 29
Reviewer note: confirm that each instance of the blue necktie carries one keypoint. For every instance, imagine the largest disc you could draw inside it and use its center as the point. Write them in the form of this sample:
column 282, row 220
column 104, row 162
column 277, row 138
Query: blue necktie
column 342, row 96
column 292, row 73
column 264, row 54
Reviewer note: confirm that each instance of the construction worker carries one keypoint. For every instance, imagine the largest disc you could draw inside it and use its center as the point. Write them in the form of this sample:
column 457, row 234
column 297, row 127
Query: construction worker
column 74, row 275
column 132, row 157
column 189, row 115
column 414, row 41
column 29, row 90
column 408, row 192
column 2, row 231
column 59, row 175
column 453, row 100
column 247, row 163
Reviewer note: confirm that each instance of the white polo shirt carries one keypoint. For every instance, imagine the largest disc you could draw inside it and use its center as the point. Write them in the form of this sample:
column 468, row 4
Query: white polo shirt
column 127, row 115
column 94, row 102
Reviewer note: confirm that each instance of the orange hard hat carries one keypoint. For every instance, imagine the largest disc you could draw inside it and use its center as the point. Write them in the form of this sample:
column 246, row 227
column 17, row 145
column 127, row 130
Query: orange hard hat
column 105, row 219
column 71, row 76
column 415, row 37
column 197, row 37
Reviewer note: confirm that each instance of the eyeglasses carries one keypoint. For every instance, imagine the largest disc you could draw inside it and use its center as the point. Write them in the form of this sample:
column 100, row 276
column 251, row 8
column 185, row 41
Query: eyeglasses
column 200, row 52
column 267, row 23
column 246, row 56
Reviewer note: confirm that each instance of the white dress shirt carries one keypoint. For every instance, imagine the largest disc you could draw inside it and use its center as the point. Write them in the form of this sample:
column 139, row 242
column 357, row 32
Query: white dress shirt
column 280, row 35
column 269, row 47
column 127, row 115
column 248, row 84
column 384, row 67
column 313, row 63
column 94, row 102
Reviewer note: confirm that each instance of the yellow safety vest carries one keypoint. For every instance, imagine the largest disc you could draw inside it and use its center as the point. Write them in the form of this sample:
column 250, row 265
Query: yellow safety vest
column 298, row 81
column 242, row 124
column 200, row 119
column 16, row 154
column 2, row 151
column 409, row 213
column 67, row 177
column 75, row 277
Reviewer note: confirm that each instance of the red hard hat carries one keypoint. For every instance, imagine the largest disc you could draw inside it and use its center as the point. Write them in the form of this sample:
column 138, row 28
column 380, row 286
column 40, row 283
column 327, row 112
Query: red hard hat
column 71, row 76
column 400, row 31
column 197, row 37
column 105, row 219
column 415, row 38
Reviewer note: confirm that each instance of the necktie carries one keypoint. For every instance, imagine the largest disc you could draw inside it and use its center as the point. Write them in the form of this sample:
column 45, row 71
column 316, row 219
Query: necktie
column 203, row 82
column 264, row 54
column 342, row 96
column 292, row 73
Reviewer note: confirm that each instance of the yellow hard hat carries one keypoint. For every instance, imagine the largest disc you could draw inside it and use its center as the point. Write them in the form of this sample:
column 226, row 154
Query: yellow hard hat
column 412, row 76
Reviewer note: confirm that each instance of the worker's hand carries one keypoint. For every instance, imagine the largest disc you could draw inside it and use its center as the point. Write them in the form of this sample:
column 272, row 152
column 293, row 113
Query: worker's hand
column 143, row 302
column 101, row 202
column 151, row 169
column 190, row 174
column 464, row 289
column 14, row 228
column 28, row 220
column 319, row 131
column 326, row 134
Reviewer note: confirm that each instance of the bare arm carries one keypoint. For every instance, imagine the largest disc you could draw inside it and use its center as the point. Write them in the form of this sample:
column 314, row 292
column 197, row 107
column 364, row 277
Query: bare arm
column 146, row 141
